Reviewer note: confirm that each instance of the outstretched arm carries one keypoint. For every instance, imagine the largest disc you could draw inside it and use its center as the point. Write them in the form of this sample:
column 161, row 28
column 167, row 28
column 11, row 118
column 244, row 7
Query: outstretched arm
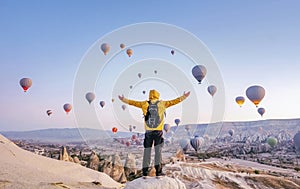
column 177, row 100
column 138, row 104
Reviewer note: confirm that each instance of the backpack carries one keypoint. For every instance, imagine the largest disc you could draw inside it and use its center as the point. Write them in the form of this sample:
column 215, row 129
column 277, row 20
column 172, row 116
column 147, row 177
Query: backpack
column 152, row 118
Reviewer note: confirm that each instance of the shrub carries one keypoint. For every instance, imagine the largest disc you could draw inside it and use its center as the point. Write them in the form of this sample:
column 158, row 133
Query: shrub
column 256, row 171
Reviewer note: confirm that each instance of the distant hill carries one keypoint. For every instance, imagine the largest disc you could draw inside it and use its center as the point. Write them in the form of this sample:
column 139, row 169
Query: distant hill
column 272, row 126
column 64, row 135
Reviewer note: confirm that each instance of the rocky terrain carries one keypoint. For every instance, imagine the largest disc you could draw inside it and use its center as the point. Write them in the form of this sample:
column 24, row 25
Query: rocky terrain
column 244, row 159
column 22, row 169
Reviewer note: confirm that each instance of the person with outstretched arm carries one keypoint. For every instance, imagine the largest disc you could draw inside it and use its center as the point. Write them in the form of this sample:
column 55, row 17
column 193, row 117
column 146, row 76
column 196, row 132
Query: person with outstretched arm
column 153, row 111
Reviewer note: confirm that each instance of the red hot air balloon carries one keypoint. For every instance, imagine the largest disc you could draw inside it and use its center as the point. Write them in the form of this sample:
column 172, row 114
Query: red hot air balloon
column 133, row 137
column 49, row 112
column 67, row 107
column 114, row 130
column 25, row 83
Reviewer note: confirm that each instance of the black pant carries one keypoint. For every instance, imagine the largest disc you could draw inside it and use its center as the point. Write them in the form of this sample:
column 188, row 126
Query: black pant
column 157, row 138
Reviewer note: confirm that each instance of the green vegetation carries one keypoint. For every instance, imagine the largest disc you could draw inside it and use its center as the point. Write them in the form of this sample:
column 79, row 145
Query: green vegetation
column 297, row 169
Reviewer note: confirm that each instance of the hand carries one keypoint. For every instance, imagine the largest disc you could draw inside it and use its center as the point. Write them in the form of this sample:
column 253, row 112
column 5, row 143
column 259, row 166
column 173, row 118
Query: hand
column 121, row 97
column 186, row 94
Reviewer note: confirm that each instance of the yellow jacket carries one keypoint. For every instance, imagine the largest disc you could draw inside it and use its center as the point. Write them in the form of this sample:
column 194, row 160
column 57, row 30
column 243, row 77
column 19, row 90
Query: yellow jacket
column 162, row 106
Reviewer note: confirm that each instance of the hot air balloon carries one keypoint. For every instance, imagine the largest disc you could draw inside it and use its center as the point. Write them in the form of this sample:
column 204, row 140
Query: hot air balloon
column 240, row 100
column 177, row 121
column 133, row 137
column 272, row 141
column 130, row 86
column 25, row 83
column 199, row 73
column 122, row 46
column 139, row 75
column 130, row 128
column 105, row 48
column 296, row 140
column 90, row 96
column 212, row 90
column 255, row 94
column 231, row 132
column 155, row 71
column 102, row 104
column 167, row 127
column 123, row 106
column 134, row 127
column 172, row 52
column 114, row 130
column 112, row 100
column 67, row 107
column 184, row 144
column 144, row 92
column 261, row 111
column 129, row 52
column 127, row 143
column 196, row 143
column 49, row 112
column 187, row 127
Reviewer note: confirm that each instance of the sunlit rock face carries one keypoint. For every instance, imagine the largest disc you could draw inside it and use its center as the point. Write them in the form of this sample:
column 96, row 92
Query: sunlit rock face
column 64, row 156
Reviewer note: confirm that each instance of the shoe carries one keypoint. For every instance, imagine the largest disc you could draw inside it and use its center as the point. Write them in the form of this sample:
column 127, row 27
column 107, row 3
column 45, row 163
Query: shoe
column 146, row 177
column 160, row 175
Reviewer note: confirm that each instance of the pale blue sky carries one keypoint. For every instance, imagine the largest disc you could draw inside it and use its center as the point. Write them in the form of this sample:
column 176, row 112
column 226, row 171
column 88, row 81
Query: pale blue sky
column 253, row 42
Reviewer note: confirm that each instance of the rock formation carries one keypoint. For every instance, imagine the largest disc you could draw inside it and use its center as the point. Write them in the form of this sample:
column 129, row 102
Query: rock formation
column 64, row 156
column 178, row 157
column 76, row 160
column 112, row 166
column 130, row 165
column 93, row 162
column 150, row 183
